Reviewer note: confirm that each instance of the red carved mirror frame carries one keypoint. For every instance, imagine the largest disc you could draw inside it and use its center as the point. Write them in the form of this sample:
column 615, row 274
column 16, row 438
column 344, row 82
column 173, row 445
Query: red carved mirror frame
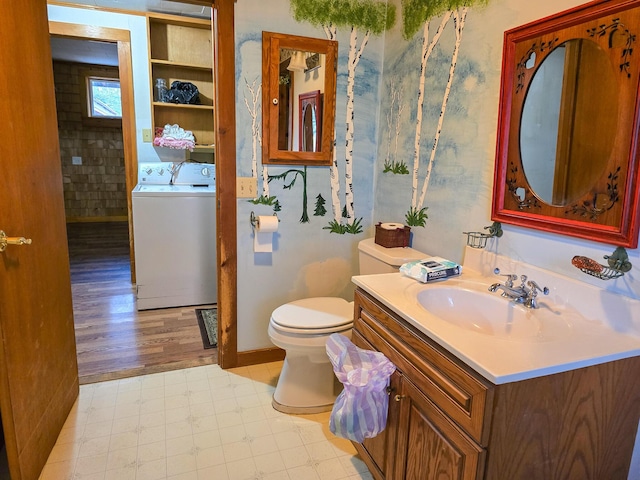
column 607, row 208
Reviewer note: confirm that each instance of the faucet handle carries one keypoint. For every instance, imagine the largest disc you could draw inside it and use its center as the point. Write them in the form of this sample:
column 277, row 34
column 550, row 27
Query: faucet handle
column 531, row 301
column 510, row 277
column 536, row 288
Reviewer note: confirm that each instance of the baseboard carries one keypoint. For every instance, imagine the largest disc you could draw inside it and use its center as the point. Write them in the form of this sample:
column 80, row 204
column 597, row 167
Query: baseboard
column 265, row 355
column 122, row 218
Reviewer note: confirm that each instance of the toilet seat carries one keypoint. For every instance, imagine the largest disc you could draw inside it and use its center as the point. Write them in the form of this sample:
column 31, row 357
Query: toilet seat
column 313, row 316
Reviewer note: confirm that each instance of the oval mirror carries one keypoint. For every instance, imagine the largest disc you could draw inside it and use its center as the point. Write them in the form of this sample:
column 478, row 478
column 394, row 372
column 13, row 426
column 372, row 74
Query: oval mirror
column 310, row 124
column 309, row 129
column 572, row 166
column 566, row 130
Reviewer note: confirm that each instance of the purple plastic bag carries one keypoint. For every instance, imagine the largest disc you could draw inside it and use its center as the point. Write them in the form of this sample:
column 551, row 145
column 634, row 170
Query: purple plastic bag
column 360, row 411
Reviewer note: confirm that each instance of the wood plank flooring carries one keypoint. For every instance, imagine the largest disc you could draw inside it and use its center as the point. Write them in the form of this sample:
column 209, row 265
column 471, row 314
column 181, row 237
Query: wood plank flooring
column 113, row 339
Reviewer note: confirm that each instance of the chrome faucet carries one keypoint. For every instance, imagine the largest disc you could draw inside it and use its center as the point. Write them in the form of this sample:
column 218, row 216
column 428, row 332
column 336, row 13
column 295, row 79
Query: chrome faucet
column 526, row 293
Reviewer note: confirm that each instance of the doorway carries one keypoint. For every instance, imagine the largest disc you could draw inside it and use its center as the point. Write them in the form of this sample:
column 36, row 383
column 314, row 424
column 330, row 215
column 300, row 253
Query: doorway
column 224, row 21
column 113, row 339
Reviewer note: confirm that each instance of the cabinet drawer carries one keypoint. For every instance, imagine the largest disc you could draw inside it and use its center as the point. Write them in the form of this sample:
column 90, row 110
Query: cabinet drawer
column 459, row 392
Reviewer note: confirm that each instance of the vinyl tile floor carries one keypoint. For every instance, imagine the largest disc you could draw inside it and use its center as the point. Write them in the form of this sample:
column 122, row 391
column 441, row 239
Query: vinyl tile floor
column 200, row 423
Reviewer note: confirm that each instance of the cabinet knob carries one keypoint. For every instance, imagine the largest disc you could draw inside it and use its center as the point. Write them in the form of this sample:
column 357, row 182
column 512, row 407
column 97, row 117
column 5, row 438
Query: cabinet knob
column 274, row 101
column 397, row 398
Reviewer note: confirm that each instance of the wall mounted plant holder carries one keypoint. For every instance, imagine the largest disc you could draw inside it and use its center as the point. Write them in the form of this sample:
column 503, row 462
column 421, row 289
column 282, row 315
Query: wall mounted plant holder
column 617, row 265
column 479, row 239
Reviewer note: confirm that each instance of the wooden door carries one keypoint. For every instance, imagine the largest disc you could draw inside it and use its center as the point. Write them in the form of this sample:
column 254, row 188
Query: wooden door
column 38, row 369
column 430, row 446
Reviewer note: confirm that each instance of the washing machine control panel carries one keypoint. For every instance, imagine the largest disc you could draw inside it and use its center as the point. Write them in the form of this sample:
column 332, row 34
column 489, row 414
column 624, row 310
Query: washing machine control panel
column 179, row 173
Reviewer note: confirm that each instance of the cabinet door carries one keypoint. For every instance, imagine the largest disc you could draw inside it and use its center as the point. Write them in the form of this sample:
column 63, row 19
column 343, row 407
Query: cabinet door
column 380, row 448
column 429, row 445
column 377, row 452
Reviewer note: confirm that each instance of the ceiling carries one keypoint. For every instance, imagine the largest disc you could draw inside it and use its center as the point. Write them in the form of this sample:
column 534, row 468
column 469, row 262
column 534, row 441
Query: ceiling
column 162, row 6
column 104, row 53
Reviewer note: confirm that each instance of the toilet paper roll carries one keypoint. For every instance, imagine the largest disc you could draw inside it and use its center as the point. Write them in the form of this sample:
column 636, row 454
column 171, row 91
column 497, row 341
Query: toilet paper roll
column 263, row 234
column 267, row 223
column 392, row 226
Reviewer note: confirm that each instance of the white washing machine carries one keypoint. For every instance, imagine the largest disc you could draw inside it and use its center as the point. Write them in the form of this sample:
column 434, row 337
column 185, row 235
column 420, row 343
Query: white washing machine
column 174, row 228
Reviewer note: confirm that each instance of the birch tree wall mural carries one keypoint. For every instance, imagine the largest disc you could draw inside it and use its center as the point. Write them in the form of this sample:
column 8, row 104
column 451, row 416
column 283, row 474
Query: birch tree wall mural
column 253, row 104
column 417, row 15
column 394, row 115
column 369, row 17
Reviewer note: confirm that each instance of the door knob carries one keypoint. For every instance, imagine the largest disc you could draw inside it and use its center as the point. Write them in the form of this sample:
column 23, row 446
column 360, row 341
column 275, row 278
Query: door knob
column 4, row 241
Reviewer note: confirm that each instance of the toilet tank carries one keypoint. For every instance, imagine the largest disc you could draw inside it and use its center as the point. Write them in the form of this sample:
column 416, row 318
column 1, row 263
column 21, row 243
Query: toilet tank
column 375, row 258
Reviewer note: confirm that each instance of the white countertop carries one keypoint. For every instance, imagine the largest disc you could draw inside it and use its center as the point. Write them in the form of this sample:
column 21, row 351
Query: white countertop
column 591, row 339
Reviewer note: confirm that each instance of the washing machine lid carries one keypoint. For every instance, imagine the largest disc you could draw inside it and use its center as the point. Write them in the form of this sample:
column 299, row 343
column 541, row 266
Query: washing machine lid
column 320, row 313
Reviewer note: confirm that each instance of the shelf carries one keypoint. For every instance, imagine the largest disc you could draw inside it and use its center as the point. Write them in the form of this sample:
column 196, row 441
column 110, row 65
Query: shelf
column 169, row 63
column 205, row 149
column 182, row 105
column 180, row 49
column 173, row 39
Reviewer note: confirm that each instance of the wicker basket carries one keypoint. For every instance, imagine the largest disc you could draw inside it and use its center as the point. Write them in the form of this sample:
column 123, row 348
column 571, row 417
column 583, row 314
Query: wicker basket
column 392, row 238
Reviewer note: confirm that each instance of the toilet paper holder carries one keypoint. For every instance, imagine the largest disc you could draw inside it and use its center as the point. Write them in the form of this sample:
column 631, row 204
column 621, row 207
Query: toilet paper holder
column 253, row 219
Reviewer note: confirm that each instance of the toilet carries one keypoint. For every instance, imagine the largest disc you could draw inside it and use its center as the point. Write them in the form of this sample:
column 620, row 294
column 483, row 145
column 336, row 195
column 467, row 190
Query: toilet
column 307, row 383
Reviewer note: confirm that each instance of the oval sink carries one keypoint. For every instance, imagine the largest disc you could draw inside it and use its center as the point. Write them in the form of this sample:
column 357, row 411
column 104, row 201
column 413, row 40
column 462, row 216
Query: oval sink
column 491, row 314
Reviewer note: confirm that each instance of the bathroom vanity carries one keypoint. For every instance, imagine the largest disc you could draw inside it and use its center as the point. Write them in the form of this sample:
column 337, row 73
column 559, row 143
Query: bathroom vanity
column 555, row 404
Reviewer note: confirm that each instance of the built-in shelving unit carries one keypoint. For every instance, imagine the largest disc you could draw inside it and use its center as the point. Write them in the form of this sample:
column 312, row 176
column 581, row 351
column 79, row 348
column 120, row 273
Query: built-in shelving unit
column 181, row 49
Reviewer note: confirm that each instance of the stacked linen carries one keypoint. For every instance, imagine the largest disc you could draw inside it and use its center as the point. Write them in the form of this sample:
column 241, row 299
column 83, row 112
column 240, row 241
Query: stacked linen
column 431, row 269
column 173, row 136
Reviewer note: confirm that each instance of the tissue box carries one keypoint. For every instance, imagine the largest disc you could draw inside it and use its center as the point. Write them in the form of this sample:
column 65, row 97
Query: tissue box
column 392, row 238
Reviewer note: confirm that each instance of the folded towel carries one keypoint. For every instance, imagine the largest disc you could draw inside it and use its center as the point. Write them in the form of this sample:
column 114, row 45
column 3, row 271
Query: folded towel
column 175, row 137
column 431, row 269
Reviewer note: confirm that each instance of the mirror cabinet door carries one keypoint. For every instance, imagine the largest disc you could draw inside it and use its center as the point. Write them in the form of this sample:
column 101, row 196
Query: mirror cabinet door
column 298, row 99
column 568, row 124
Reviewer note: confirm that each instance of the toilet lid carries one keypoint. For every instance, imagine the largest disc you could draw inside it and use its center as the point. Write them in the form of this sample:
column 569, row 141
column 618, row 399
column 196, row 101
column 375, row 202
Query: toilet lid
column 314, row 314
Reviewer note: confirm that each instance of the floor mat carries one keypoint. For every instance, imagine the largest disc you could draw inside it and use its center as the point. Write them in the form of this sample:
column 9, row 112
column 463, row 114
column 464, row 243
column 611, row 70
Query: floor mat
column 208, row 323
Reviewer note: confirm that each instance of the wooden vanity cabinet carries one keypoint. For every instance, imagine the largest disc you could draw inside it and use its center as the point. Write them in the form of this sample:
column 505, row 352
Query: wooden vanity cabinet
column 447, row 422
column 421, row 440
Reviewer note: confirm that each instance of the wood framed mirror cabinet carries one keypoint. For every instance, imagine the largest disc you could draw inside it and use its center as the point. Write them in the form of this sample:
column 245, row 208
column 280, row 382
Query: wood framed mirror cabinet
column 567, row 147
column 298, row 72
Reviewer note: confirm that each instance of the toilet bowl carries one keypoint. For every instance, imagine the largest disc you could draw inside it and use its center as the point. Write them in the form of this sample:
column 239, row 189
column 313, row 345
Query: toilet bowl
column 307, row 383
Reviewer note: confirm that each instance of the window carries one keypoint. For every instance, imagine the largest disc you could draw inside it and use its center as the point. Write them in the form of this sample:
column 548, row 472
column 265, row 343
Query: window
column 104, row 97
